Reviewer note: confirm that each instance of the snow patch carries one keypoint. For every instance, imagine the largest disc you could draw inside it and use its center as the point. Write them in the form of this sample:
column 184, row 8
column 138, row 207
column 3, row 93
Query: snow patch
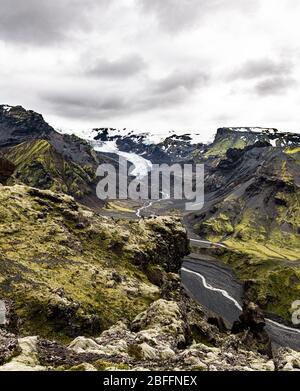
column 7, row 108
column 273, row 142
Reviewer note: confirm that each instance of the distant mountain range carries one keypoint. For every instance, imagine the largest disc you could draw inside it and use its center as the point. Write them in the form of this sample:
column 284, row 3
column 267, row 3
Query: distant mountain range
column 185, row 147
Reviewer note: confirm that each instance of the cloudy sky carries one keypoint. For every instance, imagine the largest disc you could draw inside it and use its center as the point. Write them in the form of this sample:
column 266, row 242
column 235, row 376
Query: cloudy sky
column 153, row 64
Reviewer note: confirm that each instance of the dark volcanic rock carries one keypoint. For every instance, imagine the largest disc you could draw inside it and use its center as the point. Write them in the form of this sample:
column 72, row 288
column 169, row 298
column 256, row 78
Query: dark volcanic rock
column 253, row 322
column 218, row 321
column 174, row 148
column 55, row 354
column 44, row 158
column 18, row 125
column 8, row 346
column 6, row 169
column 251, row 318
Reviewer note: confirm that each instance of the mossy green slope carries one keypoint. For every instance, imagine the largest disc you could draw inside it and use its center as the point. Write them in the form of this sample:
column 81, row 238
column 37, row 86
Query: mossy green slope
column 73, row 272
column 222, row 144
column 259, row 221
column 38, row 164
column 242, row 137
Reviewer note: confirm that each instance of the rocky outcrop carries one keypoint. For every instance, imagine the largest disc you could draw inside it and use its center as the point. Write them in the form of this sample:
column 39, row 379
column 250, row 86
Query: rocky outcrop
column 243, row 137
column 250, row 319
column 73, row 272
column 251, row 327
column 287, row 360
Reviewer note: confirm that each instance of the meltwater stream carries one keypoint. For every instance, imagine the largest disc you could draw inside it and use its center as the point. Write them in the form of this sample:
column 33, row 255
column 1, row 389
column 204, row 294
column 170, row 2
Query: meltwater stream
column 221, row 302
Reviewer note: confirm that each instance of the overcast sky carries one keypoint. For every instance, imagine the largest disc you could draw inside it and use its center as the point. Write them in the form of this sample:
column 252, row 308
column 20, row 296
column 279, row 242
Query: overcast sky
column 153, row 64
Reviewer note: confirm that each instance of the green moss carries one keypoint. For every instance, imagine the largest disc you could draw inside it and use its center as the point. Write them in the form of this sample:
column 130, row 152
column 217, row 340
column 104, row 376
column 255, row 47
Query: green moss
column 78, row 368
column 135, row 351
column 221, row 146
column 219, row 226
column 199, row 368
column 102, row 365
column 292, row 150
column 118, row 206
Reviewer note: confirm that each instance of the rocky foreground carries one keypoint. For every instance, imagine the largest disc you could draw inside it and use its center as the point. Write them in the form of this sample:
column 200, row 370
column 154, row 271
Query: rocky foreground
column 164, row 337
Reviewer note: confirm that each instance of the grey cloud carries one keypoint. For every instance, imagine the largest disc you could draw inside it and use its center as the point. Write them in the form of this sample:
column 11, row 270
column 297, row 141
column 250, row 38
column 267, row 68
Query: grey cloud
column 152, row 95
column 176, row 15
column 123, row 67
column 171, row 90
column 224, row 117
column 85, row 104
column 188, row 80
column 262, row 67
column 274, row 86
column 43, row 21
column 154, row 100
column 95, row 107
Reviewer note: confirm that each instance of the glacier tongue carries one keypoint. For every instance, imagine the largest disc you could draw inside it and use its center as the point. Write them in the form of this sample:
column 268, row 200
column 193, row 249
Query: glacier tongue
column 141, row 165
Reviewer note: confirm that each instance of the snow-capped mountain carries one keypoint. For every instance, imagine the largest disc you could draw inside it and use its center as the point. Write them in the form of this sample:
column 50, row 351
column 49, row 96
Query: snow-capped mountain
column 143, row 149
column 158, row 147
